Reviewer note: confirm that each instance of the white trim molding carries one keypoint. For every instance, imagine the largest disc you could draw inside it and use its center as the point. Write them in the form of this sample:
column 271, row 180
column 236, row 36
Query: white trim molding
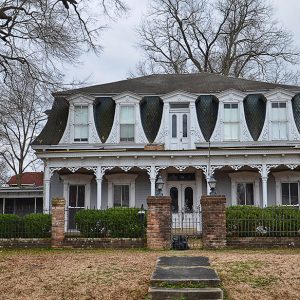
column 127, row 98
column 164, row 133
column 124, row 179
column 285, row 177
column 231, row 96
column 83, row 100
column 245, row 177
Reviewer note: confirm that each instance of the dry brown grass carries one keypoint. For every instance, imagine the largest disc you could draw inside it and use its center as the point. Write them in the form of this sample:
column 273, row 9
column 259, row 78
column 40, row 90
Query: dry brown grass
column 117, row 274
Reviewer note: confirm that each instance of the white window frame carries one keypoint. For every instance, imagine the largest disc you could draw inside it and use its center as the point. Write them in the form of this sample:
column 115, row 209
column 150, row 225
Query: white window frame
column 81, row 124
column 278, row 122
column 134, row 122
column 245, row 177
column 121, row 179
column 285, row 177
column 231, row 122
column 122, row 185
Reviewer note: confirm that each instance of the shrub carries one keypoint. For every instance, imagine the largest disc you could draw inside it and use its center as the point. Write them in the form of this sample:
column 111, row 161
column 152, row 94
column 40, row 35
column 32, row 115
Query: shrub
column 120, row 222
column 37, row 225
column 10, row 226
column 269, row 221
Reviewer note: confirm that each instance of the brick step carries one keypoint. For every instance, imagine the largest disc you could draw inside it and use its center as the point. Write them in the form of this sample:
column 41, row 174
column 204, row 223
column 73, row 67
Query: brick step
column 158, row 293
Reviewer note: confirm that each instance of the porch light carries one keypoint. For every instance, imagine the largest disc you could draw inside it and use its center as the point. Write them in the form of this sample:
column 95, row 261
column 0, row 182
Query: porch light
column 159, row 185
column 212, row 184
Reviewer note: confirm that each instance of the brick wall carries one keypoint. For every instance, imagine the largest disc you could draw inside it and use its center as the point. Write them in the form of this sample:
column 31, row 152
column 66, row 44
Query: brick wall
column 25, row 243
column 213, row 221
column 263, row 242
column 158, row 222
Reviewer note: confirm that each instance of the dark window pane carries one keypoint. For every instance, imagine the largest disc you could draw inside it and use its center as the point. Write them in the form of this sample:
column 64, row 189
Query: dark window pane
column 1, row 206
column 226, row 106
column 179, row 105
column 184, row 125
column 275, row 105
column 188, row 199
column 117, row 195
column 234, row 105
column 294, row 193
column 240, row 194
column 174, row 126
column 9, row 206
column 249, row 194
column 39, row 205
column 174, row 197
column 125, row 195
column 81, row 194
column 285, row 193
column 282, row 105
column 72, row 195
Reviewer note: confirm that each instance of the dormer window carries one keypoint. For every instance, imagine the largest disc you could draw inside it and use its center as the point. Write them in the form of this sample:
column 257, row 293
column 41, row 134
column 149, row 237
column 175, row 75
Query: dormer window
column 81, row 123
column 279, row 121
column 127, row 123
column 231, row 122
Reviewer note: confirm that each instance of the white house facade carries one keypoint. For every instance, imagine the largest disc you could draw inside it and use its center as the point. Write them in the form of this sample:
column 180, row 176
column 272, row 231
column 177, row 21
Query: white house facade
column 104, row 145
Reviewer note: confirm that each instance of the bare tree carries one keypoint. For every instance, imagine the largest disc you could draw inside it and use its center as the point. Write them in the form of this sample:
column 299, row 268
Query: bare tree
column 21, row 115
column 39, row 35
column 231, row 37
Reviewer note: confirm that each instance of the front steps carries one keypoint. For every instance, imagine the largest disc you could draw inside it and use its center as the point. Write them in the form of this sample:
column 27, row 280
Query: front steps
column 184, row 278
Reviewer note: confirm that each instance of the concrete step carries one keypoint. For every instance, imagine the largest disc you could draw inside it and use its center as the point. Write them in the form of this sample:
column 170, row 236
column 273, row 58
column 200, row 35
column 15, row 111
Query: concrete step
column 158, row 293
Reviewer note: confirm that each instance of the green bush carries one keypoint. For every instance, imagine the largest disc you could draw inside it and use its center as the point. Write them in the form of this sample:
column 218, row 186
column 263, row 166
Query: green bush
column 269, row 221
column 120, row 222
column 11, row 226
column 37, row 225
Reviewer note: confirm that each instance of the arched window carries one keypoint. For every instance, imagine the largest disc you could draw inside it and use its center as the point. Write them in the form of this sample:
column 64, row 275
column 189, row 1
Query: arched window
column 188, row 200
column 174, row 197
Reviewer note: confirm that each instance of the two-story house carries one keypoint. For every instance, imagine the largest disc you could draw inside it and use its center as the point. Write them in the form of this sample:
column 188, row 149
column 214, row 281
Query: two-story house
column 104, row 145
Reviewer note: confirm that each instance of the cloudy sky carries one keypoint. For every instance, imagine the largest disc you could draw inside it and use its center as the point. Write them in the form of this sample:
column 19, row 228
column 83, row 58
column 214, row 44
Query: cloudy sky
column 120, row 54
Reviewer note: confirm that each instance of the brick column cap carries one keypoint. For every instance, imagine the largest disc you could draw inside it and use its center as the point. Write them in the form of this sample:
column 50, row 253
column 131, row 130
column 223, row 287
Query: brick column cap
column 212, row 199
column 58, row 202
column 159, row 200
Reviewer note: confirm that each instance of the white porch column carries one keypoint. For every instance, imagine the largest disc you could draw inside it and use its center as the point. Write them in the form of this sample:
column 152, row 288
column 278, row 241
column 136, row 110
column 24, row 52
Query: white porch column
column 264, row 178
column 47, row 178
column 99, row 179
column 152, row 180
column 265, row 191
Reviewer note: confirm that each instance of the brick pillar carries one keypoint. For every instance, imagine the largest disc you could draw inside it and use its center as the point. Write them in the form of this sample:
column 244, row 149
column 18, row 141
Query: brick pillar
column 213, row 221
column 158, row 222
column 58, row 222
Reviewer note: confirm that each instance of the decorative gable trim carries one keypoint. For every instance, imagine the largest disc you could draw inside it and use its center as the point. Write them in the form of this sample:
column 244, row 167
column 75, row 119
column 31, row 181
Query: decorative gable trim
column 80, row 99
column 179, row 96
column 231, row 95
column 127, row 97
column 279, row 95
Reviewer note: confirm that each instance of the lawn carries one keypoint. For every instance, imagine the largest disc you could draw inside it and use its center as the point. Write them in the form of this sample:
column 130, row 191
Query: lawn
column 124, row 274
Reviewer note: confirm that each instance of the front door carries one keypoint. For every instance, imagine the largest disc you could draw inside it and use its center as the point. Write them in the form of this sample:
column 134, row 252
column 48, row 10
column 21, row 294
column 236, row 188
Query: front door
column 179, row 124
column 76, row 203
column 182, row 195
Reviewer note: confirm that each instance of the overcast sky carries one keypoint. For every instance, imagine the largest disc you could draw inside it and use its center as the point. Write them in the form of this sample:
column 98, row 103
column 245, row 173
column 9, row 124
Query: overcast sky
column 120, row 55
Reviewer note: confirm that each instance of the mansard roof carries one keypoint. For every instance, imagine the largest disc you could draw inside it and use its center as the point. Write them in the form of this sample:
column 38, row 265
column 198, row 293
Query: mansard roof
column 199, row 83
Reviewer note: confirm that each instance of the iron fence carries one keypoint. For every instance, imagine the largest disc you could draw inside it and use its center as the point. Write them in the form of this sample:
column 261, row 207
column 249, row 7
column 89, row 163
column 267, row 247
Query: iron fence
column 117, row 222
column 186, row 231
column 270, row 222
column 24, row 225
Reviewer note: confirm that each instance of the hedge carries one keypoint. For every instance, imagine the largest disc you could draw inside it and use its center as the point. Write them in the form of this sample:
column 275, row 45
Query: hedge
column 270, row 221
column 29, row 226
column 120, row 222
